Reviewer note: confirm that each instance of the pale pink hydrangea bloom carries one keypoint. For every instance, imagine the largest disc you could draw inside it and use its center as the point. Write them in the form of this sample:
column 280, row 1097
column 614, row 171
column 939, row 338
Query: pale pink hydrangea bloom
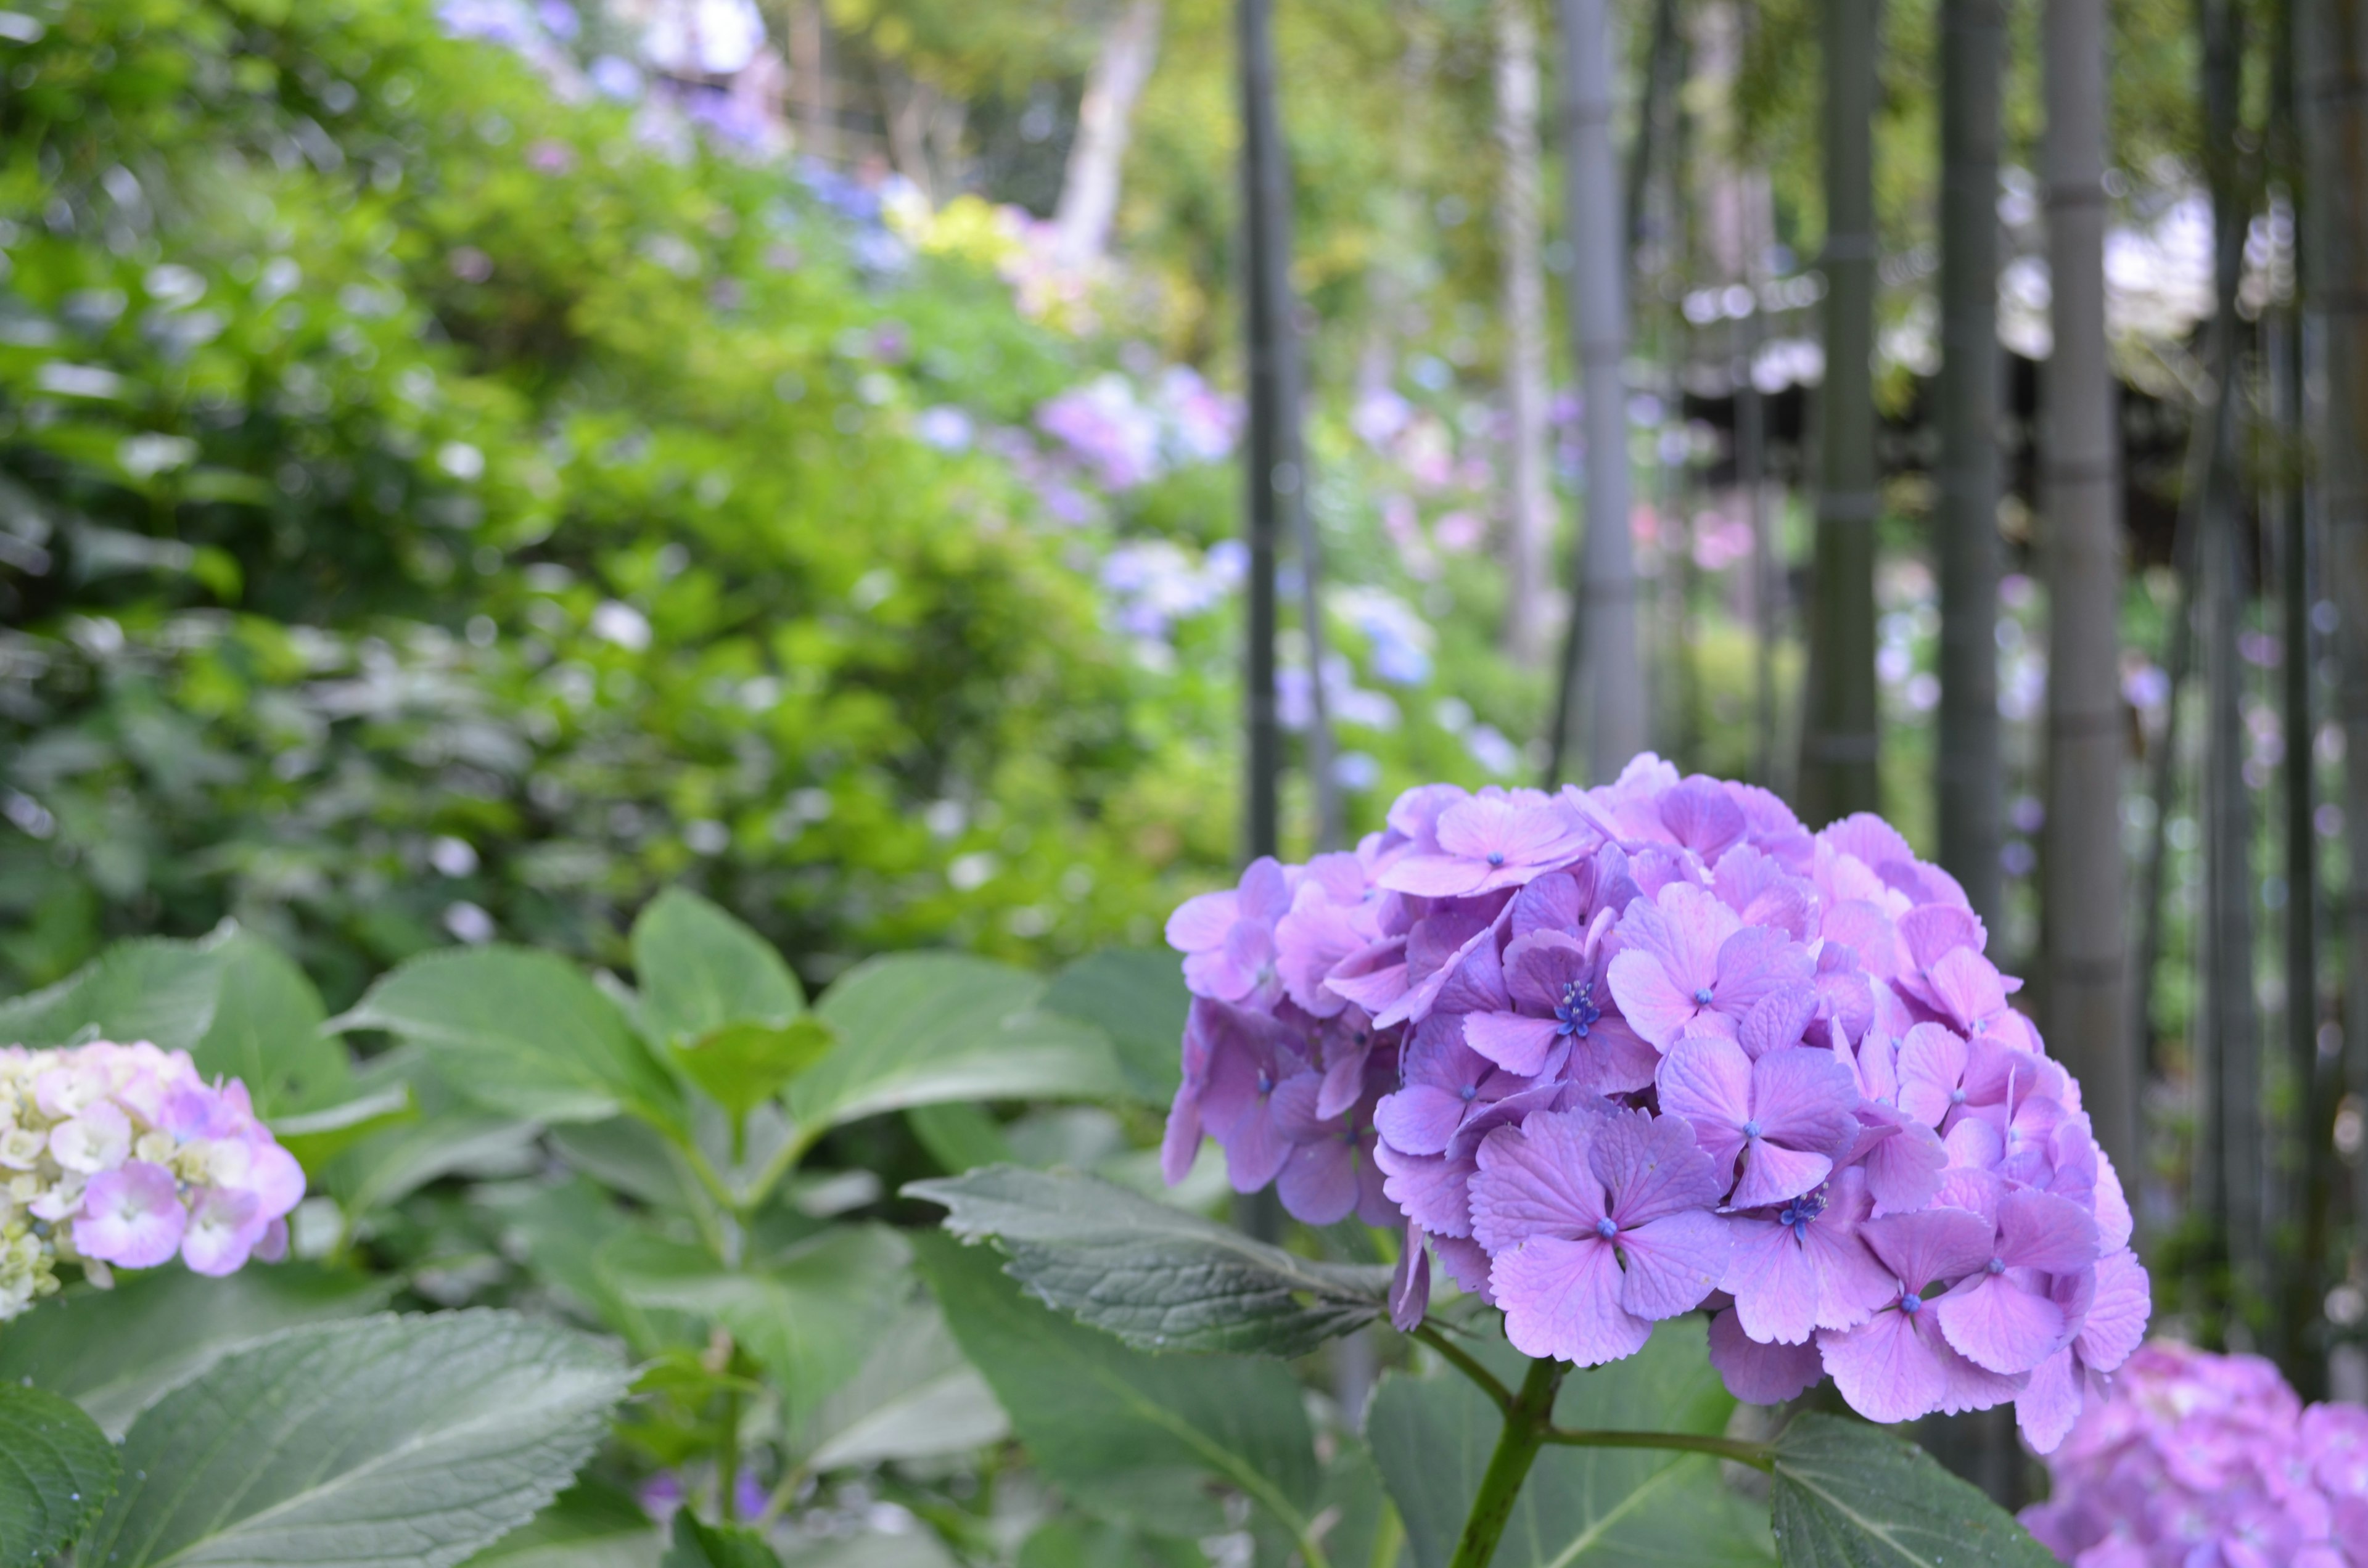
column 123, row 1157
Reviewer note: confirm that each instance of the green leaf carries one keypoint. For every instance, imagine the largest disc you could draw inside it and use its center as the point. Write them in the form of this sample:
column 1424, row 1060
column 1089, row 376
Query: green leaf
column 1432, row 1437
column 1852, row 1495
column 809, row 1318
column 1158, row 1276
column 959, row 1135
column 266, row 1032
column 391, row 1165
column 317, row 1137
column 914, row 1398
column 590, row 1525
column 919, row 1028
column 698, row 1545
column 521, row 1032
column 740, row 1066
column 114, row 1352
column 698, row 969
column 1074, row 1540
column 305, row 1447
column 57, row 1470
column 151, row 989
column 1135, row 1436
column 1137, row 997
column 560, row 1230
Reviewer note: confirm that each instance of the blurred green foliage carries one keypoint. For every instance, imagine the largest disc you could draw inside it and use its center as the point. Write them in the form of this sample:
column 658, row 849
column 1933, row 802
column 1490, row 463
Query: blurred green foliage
column 429, row 509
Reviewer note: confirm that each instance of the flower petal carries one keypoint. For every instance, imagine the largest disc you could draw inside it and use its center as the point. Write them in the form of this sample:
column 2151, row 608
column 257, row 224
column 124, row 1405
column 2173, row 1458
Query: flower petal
column 1562, row 1299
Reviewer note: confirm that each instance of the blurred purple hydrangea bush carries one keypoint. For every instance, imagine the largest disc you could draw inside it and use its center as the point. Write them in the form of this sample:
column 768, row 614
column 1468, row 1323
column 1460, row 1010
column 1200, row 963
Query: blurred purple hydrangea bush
column 2198, row 1458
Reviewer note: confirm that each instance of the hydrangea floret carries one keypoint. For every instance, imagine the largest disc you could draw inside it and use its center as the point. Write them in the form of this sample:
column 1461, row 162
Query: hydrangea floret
column 1618, row 1054
column 2198, row 1458
column 123, row 1156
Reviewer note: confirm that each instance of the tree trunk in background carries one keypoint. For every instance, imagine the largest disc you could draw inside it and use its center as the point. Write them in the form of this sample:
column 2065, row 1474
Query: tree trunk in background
column 1737, row 225
column 1966, row 769
column 2084, row 974
column 1528, row 500
column 2334, row 110
column 2229, row 1162
column 1090, row 185
column 810, row 81
column 1600, row 663
column 1275, row 458
column 2309, row 1152
column 1839, row 739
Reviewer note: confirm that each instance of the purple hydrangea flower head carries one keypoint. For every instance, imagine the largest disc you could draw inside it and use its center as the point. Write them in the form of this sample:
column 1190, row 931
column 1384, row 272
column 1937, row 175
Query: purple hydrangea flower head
column 2205, row 1460
column 1599, row 1227
column 1610, row 1055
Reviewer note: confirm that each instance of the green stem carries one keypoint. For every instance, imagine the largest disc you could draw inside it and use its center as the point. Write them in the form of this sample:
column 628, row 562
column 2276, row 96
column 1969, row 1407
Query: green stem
column 1759, row 1456
column 1528, row 1418
column 727, row 1463
column 1463, row 1361
column 781, row 1497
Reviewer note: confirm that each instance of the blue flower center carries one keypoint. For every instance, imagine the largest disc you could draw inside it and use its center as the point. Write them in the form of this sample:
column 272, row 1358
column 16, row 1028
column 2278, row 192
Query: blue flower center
column 1468, row 1092
column 1266, row 1082
column 1956, row 1097
column 1911, row 1303
column 1751, row 1129
column 1702, row 997
column 1577, row 1010
column 1606, row 1229
column 1495, row 857
column 1800, row 1211
column 1997, row 1266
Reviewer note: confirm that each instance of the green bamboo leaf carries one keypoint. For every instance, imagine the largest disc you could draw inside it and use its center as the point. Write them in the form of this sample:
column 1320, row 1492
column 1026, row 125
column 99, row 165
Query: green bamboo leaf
column 1432, row 1436
column 1850, row 1495
column 308, row 1446
column 57, row 1470
column 1133, row 1436
column 1160, row 1278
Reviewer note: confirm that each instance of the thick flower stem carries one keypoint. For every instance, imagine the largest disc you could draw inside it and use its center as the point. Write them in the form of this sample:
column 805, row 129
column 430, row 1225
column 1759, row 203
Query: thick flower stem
column 1527, row 1422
